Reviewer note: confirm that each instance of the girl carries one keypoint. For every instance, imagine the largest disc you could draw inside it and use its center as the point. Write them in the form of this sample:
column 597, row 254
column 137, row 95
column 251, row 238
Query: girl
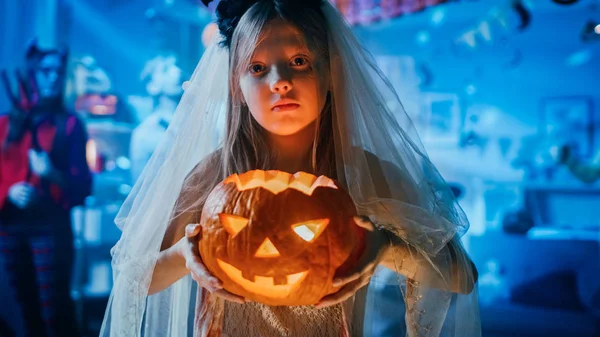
column 289, row 88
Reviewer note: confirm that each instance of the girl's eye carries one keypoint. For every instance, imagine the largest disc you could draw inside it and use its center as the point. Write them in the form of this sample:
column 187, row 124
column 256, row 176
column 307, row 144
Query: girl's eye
column 299, row 61
column 256, row 68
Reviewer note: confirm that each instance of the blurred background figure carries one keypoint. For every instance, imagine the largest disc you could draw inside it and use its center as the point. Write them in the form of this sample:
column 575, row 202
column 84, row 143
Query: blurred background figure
column 44, row 174
column 92, row 93
column 164, row 81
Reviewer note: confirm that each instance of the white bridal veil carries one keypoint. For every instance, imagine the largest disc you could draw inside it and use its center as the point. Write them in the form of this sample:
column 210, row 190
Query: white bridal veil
column 402, row 191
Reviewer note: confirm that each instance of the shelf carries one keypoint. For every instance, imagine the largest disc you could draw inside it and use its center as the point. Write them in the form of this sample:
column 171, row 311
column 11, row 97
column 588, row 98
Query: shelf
column 546, row 233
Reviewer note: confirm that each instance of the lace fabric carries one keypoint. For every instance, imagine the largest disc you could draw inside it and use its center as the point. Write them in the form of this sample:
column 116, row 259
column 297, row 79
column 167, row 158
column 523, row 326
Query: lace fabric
column 255, row 319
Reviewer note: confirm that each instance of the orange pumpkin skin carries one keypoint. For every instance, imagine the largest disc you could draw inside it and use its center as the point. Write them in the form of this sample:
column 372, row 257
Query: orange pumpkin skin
column 278, row 238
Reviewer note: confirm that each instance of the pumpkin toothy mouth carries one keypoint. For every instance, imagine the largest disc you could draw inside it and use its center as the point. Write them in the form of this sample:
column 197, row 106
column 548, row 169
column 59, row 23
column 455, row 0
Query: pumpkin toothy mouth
column 261, row 284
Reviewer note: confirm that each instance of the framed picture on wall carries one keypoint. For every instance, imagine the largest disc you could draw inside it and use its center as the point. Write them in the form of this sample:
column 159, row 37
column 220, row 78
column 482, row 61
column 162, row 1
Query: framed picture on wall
column 440, row 118
column 570, row 120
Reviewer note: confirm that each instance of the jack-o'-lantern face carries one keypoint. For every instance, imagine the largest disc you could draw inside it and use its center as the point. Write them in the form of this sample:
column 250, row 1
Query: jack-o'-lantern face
column 279, row 238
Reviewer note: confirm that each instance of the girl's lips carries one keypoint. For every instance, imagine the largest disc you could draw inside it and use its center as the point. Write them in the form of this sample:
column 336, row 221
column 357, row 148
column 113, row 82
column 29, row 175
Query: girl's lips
column 286, row 107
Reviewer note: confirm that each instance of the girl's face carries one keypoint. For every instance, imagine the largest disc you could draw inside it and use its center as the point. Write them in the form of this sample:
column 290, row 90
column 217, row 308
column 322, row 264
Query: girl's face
column 281, row 85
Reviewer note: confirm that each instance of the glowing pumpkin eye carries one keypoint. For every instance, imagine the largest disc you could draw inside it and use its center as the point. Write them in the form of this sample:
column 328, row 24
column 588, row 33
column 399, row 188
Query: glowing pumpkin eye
column 233, row 224
column 310, row 230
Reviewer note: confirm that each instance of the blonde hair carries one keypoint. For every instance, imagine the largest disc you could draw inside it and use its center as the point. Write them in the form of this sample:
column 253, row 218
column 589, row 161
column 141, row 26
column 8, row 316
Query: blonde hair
column 244, row 146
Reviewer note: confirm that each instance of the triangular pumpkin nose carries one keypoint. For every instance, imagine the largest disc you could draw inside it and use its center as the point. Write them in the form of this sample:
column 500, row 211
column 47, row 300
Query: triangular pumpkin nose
column 267, row 249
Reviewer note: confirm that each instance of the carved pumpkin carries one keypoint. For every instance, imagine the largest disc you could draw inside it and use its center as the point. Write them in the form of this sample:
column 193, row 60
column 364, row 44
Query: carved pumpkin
column 278, row 238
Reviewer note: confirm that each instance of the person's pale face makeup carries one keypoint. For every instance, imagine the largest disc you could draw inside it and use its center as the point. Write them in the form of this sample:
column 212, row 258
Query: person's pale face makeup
column 280, row 85
column 49, row 77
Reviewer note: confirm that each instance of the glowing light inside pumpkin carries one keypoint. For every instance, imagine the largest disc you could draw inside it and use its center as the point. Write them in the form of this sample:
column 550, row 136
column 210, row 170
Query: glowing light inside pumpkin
column 233, row 224
column 263, row 284
column 304, row 233
column 310, row 230
column 278, row 181
column 267, row 249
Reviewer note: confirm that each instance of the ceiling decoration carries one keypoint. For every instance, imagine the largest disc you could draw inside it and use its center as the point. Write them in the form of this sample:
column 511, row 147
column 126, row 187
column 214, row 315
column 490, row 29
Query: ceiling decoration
column 364, row 12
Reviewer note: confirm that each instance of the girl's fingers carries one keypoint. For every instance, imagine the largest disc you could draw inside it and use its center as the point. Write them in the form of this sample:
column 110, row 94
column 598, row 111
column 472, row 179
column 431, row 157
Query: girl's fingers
column 367, row 271
column 344, row 293
column 340, row 281
column 229, row 296
column 192, row 230
column 368, row 261
column 198, row 269
column 364, row 222
column 207, row 283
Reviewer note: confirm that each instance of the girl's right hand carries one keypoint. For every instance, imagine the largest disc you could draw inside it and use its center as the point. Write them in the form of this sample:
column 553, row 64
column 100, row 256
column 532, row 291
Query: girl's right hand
column 193, row 262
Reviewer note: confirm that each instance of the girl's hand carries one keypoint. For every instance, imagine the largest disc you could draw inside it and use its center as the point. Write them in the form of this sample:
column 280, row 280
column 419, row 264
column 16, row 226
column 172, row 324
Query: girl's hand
column 377, row 242
column 193, row 262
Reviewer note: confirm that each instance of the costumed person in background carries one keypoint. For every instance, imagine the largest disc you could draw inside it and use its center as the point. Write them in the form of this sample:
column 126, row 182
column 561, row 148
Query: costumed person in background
column 164, row 86
column 43, row 174
column 588, row 172
column 296, row 92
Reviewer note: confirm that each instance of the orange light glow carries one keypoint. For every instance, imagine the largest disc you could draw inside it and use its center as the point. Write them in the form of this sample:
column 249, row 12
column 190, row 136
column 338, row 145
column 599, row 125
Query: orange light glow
column 278, row 181
column 233, row 224
column 263, row 285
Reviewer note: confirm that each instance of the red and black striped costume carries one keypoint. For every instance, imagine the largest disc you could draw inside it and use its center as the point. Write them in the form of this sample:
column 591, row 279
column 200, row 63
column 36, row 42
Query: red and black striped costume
column 36, row 244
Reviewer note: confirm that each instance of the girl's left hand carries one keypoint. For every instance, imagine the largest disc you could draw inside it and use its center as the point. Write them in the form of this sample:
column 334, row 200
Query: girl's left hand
column 377, row 242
